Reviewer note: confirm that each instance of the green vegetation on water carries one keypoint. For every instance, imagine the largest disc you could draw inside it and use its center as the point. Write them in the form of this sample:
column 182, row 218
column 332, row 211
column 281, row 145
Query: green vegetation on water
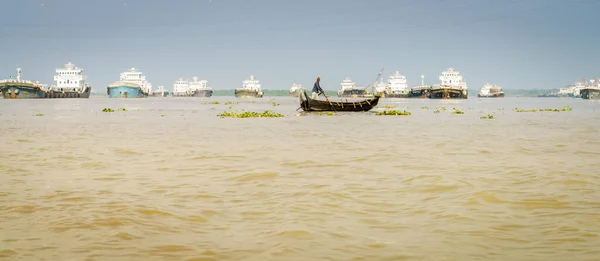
column 566, row 108
column 393, row 113
column 489, row 116
column 457, row 111
column 39, row 114
column 251, row 114
column 108, row 110
column 330, row 113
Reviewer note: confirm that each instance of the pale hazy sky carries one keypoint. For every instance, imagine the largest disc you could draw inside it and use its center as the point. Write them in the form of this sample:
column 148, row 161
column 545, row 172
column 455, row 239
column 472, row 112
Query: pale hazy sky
column 512, row 43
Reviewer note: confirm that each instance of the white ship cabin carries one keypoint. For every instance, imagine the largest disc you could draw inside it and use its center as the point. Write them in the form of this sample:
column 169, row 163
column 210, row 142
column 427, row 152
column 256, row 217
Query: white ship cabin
column 181, row 87
column 251, row 84
column 69, row 78
column 452, row 78
column 489, row 88
column 134, row 76
column 381, row 86
column 295, row 87
column 197, row 84
column 397, row 83
column 347, row 84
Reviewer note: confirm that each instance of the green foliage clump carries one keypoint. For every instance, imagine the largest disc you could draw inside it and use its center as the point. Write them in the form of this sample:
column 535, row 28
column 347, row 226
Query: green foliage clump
column 457, row 111
column 489, row 117
column 329, row 113
column 251, row 114
column 108, row 110
column 212, row 102
column 394, row 113
column 39, row 114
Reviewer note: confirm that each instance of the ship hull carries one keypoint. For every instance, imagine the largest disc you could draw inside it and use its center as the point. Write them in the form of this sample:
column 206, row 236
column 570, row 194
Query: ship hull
column 125, row 91
column 493, row 95
column 352, row 93
column 394, row 95
column 448, row 93
column 159, row 94
column 202, row 93
column 243, row 93
column 419, row 93
column 27, row 91
column 590, row 94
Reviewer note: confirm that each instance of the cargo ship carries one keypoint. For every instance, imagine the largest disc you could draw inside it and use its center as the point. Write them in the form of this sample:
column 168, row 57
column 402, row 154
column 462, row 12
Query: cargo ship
column 251, row 88
column 397, row 86
column 452, row 86
column 295, row 89
column 132, row 84
column 591, row 92
column 161, row 92
column 22, row 89
column 199, row 88
column 350, row 90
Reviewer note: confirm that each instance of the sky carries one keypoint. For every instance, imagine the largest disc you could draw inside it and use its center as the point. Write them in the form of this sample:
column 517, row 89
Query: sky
column 517, row 44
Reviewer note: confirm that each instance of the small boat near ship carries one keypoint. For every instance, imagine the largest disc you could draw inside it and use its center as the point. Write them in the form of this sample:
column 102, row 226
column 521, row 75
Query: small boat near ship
column 308, row 104
column 161, row 92
column 490, row 91
column 452, row 86
column 132, row 84
column 350, row 90
column 295, row 89
column 251, row 88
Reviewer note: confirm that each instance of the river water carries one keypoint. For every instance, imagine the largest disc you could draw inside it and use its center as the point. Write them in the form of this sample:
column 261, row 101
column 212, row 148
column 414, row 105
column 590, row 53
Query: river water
column 169, row 180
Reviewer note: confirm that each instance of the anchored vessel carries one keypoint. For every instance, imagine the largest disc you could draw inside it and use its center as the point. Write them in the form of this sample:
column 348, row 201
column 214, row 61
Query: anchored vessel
column 22, row 89
column 70, row 82
column 490, row 91
column 571, row 90
column 132, row 84
column 295, row 89
column 349, row 89
column 161, row 92
column 397, row 86
column 452, row 87
column 200, row 88
column 181, row 88
column 591, row 92
column 250, row 89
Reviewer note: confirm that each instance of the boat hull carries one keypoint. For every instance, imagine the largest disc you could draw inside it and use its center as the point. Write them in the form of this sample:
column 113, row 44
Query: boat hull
column 308, row 104
column 419, row 93
column 448, row 93
column 125, row 91
column 160, row 94
column 202, row 93
column 30, row 91
column 493, row 95
column 590, row 94
column 244, row 93
column 394, row 95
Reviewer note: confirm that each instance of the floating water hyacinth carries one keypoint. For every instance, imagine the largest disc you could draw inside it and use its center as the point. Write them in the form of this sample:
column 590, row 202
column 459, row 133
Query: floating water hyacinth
column 251, row 114
column 393, row 113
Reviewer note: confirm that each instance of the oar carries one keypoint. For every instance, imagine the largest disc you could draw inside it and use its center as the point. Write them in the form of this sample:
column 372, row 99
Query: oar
column 333, row 107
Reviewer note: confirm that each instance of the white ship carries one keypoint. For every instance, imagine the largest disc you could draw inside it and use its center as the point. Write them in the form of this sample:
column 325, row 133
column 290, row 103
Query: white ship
column 181, row 88
column 161, row 92
column 490, row 91
column 250, row 88
column 295, row 89
column 70, row 81
column 199, row 88
column 349, row 89
column 452, row 86
column 397, row 86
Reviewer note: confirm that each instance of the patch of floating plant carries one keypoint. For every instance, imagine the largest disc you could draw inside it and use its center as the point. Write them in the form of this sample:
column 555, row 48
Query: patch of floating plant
column 122, row 109
column 231, row 103
column 487, row 117
column 424, row 107
column 390, row 106
column 436, row 111
column 393, row 113
column 275, row 104
column 457, row 111
column 108, row 110
column 39, row 114
column 251, row 114
column 566, row 108
column 211, row 102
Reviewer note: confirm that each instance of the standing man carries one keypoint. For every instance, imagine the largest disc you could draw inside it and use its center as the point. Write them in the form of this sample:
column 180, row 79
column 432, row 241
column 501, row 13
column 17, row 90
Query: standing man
column 316, row 91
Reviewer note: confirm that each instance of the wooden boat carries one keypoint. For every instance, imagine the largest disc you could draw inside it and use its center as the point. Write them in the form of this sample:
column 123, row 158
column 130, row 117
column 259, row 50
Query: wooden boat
column 308, row 104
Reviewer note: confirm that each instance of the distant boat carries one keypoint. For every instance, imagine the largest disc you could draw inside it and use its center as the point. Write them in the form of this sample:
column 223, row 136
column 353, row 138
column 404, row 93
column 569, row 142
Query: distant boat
column 396, row 86
column 251, row 88
column 161, row 92
column 132, row 84
column 22, row 89
column 295, row 89
column 199, row 88
column 490, row 91
column 349, row 89
column 452, row 86
column 591, row 92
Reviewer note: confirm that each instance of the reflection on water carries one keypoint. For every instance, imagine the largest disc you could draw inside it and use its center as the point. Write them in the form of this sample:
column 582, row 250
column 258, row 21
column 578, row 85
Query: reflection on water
column 168, row 180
